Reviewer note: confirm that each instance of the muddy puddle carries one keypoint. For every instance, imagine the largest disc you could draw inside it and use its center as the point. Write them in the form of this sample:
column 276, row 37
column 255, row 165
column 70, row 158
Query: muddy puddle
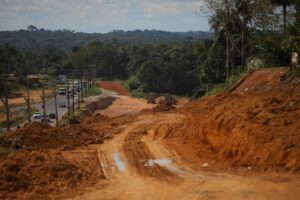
column 167, row 163
column 118, row 162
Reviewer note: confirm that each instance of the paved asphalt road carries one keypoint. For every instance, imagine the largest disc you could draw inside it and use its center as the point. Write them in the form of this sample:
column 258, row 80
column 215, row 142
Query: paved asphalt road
column 50, row 105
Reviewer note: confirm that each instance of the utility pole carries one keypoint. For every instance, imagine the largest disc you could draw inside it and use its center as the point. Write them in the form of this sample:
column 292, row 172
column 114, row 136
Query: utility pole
column 81, row 89
column 78, row 95
column 55, row 102
column 5, row 102
column 73, row 98
column 27, row 99
column 44, row 102
column 68, row 97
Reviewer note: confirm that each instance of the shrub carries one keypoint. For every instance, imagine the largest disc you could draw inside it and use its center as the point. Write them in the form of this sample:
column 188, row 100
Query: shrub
column 132, row 83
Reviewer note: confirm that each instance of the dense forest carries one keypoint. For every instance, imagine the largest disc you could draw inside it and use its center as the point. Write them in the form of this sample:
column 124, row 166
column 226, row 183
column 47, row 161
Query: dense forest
column 247, row 34
column 36, row 39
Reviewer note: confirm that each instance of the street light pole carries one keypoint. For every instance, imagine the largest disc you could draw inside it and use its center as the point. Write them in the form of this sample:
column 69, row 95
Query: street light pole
column 55, row 102
column 81, row 89
column 78, row 94
column 68, row 97
column 73, row 99
column 27, row 99
column 44, row 102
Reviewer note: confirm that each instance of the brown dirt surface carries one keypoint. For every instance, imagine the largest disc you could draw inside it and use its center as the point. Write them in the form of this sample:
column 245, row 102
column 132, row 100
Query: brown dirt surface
column 42, row 174
column 258, row 129
column 114, row 87
column 50, row 162
column 130, row 174
column 16, row 99
column 36, row 136
column 227, row 146
column 125, row 105
column 262, row 79
column 100, row 104
column 163, row 108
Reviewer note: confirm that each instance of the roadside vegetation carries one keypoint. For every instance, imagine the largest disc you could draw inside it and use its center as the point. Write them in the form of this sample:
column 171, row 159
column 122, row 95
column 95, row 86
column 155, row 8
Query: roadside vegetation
column 17, row 117
column 228, row 84
column 93, row 91
column 247, row 34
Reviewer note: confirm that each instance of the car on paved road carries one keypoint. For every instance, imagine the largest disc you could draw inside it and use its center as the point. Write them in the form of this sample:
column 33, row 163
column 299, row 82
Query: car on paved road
column 62, row 91
column 62, row 104
column 37, row 115
column 52, row 115
column 46, row 119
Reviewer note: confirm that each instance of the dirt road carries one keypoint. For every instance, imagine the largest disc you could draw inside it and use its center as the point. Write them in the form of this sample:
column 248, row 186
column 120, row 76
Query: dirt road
column 160, row 155
column 137, row 165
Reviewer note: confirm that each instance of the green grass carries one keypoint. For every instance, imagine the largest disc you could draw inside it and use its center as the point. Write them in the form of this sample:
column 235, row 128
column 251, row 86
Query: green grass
column 15, row 87
column 122, row 82
column 138, row 93
column 229, row 83
column 294, row 74
column 93, row 91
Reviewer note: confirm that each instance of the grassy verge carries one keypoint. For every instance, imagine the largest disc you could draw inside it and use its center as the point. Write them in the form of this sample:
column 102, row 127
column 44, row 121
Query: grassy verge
column 93, row 91
column 138, row 93
column 18, row 117
column 294, row 74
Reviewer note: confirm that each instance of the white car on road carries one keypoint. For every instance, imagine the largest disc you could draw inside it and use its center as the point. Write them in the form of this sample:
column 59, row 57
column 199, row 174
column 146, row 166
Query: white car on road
column 37, row 115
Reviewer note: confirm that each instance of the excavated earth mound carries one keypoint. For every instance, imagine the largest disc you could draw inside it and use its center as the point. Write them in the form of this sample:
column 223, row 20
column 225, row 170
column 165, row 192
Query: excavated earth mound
column 43, row 136
column 256, row 129
column 45, row 162
column 40, row 174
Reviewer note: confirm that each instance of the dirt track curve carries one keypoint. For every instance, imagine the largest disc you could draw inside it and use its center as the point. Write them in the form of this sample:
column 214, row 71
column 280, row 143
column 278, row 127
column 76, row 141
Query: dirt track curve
column 137, row 165
column 201, row 151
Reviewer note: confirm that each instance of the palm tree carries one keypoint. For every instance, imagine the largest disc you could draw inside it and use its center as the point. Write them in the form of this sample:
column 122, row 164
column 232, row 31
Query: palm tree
column 221, row 24
column 284, row 4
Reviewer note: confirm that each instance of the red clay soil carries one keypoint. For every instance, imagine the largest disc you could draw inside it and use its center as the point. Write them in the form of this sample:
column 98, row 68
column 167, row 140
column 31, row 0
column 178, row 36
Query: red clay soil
column 41, row 174
column 42, row 161
column 114, row 87
column 262, row 79
column 100, row 104
column 36, row 136
column 258, row 129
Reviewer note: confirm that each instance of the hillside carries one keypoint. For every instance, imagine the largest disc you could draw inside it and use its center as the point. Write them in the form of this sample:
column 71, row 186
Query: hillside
column 65, row 40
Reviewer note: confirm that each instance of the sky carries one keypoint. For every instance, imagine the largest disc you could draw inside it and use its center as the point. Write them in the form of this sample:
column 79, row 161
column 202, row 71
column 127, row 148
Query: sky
column 103, row 16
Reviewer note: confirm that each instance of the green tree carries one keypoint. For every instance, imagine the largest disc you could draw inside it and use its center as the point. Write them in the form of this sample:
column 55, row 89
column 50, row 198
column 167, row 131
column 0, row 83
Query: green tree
column 284, row 4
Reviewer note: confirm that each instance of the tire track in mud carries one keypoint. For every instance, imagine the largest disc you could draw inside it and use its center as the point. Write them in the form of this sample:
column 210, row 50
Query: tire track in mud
column 139, row 156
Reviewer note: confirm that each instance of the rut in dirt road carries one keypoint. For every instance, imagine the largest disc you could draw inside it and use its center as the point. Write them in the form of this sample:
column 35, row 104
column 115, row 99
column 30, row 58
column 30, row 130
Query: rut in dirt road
column 149, row 170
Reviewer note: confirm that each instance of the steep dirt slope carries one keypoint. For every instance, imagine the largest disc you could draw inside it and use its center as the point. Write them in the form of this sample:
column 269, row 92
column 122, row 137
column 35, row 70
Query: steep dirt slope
column 258, row 128
column 114, row 87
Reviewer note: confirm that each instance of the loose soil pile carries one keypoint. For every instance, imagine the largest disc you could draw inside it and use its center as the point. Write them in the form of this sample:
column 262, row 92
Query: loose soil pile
column 98, row 105
column 256, row 129
column 37, row 174
column 41, row 161
column 36, row 136
column 114, row 87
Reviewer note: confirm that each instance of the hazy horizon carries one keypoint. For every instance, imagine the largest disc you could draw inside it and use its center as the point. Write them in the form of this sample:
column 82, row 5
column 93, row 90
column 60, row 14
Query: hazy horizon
column 103, row 16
